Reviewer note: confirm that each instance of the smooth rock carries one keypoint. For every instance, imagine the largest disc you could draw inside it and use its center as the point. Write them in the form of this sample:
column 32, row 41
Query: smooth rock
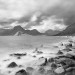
column 59, row 70
column 21, row 72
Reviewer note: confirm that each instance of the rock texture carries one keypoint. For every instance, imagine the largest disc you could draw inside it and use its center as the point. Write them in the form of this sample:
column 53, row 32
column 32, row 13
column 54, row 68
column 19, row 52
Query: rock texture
column 12, row 65
column 21, row 72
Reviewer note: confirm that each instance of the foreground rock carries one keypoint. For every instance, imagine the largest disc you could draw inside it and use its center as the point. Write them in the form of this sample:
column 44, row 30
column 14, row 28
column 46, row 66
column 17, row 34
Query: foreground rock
column 59, row 70
column 21, row 72
column 18, row 54
column 29, row 70
column 41, row 61
column 59, row 52
column 37, row 51
column 12, row 65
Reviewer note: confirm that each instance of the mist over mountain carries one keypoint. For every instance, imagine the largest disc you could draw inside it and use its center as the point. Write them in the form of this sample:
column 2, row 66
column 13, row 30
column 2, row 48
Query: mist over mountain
column 70, row 30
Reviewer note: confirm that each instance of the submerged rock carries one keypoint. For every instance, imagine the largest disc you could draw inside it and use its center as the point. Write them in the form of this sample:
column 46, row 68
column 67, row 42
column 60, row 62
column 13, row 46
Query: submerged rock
column 12, row 65
column 21, row 72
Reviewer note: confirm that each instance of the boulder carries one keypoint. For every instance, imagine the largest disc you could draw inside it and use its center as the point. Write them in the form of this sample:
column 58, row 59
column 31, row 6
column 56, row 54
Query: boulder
column 41, row 70
column 71, row 71
column 59, row 70
column 12, row 65
column 69, row 45
column 41, row 62
column 29, row 69
column 50, row 72
column 21, row 72
column 71, row 56
column 53, row 66
column 59, row 52
column 67, row 50
column 37, row 51
column 50, row 60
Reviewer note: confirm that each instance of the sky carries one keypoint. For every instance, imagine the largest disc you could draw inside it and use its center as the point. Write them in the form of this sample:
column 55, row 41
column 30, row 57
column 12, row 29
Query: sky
column 30, row 11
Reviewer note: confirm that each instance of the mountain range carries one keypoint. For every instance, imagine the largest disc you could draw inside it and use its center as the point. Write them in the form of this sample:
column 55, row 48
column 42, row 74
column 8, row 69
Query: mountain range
column 18, row 30
column 69, row 31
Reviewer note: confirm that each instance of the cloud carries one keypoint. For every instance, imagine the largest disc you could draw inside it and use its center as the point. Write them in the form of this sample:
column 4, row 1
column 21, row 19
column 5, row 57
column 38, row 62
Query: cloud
column 16, row 9
column 51, row 23
column 16, row 24
column 35, row 17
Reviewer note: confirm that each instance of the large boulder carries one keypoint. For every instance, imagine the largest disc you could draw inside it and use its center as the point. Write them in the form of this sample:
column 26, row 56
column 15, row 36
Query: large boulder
column 12, row 65
column 41, row 62
column 29, row 70
column 21, row 72
column 59, row 70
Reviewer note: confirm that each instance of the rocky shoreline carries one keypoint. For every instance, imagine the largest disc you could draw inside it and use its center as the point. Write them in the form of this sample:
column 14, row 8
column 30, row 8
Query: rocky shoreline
column 62, row 64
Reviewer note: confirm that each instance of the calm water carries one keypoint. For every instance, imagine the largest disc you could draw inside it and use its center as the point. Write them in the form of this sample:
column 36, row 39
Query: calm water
column 28, row 41
column 9, row 44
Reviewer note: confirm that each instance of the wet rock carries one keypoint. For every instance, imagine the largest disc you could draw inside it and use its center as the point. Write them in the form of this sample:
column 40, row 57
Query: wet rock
column 34, row 56
column 21, row 72
column 37, row 51
column 12, row 65
column 51, row 60
column 41, row 70
column 44, row 63
column 50, row 72
column 59, row 70
column 6, row 60
column 41, row 62
column 20, row 66
column 18, row 54
column 69, row 45
column 29, row 70
column 71, row 56
column 9, row 71
column 53, row 65
column 59, row 52
column 67, row 50
column 70, row 71
column 19, row 57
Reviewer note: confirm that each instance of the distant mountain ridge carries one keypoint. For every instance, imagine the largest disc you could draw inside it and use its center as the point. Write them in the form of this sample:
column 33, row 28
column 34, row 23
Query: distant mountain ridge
column 69, row 31
column 18, row 29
